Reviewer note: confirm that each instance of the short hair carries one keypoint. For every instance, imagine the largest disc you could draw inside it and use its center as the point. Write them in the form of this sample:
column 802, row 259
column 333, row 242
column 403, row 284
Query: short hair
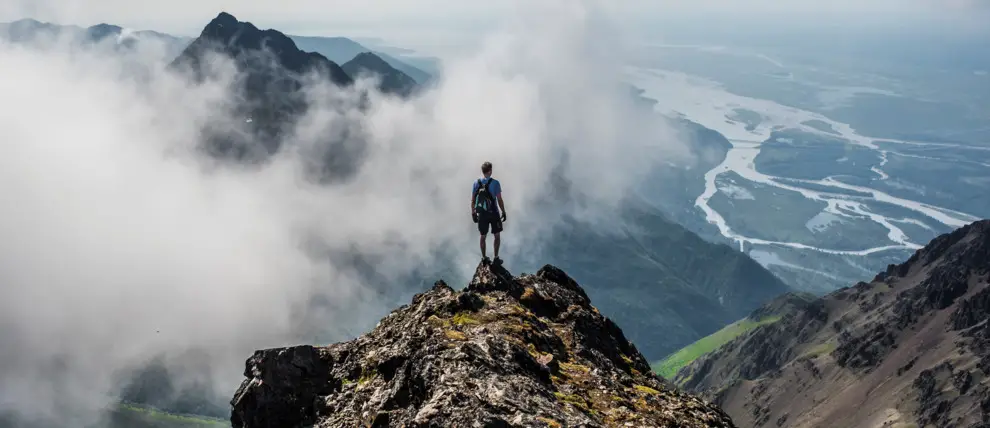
column 486, row 167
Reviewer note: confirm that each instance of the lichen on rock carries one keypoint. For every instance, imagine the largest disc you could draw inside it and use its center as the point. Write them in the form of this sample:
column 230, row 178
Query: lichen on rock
column 506, row 351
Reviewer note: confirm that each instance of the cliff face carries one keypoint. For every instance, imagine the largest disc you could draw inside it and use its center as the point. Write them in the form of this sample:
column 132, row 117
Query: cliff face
column 911, row 348
column 523, row 351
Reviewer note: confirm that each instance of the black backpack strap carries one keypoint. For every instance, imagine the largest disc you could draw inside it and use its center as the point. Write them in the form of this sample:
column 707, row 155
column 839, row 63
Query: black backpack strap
column 478, row 190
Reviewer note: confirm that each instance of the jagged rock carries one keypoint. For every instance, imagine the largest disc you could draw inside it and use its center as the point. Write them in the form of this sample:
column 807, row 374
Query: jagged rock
column 972, row 311
column 766, row 349
column 962, row 380
column 866, row 350
column 916, row 339
column 933, row 408
column 505, row 352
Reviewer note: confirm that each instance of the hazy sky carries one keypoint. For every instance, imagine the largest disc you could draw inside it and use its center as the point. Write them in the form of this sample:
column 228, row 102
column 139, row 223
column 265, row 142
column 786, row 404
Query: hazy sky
column 322, row 16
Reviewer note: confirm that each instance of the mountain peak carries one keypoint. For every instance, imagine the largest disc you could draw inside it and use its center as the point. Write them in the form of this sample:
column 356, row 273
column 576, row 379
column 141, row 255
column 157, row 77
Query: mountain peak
column 28, row 22
column 107, row 28
column 225, row 18
column 225, row 27
column 270, row 82
column 243, row 41
column 391, row 79
column 101, row 31
column 369, row 58
column 27, row 29
column 506, row 351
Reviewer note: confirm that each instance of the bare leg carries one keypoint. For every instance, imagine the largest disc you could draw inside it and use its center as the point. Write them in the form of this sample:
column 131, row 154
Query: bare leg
column 484, row 247
column 497, row 242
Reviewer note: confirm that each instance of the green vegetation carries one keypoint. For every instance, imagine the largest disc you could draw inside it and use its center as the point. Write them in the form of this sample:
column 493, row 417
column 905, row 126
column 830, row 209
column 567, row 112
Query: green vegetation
column 136, row 416
column 669, row 367
column 626, row 359
column 463, row 318
column 573, row 399
column 455, row 335
column 646, row 389
column 821, row 349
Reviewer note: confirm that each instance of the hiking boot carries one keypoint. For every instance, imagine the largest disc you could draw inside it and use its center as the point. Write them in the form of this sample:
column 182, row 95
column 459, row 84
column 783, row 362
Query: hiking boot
column 498, row 261
column 486, row 261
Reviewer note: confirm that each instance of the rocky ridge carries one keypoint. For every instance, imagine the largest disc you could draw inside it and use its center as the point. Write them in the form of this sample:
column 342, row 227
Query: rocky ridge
column 909, row 348
column 391, row 80
column 256, row 49
column 504, row 352
column 268, row 89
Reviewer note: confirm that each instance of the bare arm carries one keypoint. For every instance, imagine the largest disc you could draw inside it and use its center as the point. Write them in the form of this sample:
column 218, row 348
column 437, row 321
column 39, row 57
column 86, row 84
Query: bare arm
column 501, row 205
column 473, row 195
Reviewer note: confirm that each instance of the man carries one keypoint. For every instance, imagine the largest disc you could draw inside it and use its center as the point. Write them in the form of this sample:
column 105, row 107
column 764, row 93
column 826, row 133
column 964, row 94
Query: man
column 484, row 211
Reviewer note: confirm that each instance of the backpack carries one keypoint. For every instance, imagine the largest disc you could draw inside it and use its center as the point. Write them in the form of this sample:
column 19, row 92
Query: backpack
column 484, row 201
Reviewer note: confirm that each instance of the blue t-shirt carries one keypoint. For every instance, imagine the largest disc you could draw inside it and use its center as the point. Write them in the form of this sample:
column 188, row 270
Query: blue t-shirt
column 495, row 188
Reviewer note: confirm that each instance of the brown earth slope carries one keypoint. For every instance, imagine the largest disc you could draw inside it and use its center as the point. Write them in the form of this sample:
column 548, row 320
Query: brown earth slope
column 506, row 352
column 909, row 349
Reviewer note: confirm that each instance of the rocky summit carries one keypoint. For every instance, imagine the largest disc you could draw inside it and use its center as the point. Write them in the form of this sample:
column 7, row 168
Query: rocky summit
column 504, row 352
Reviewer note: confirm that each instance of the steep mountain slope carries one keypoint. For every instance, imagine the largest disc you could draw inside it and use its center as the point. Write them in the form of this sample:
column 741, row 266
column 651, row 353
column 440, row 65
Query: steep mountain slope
column 663, row 283
column 343, row 49
column 245, row 42
column 270, row 83
column 911, row 348
column 392, row 81
column 523, row 351
column 767, row 314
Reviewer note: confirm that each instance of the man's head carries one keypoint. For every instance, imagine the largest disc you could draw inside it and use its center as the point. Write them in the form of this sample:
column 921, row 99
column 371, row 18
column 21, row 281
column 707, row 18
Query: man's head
column 486, row 168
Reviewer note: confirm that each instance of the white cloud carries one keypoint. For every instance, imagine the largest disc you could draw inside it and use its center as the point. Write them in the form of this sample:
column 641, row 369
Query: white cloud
column 121, row 242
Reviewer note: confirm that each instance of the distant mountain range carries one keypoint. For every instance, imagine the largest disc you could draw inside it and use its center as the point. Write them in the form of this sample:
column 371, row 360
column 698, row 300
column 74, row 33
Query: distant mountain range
column 337, row 49
column 342, row 50
column 46, row 35
column 910, row 348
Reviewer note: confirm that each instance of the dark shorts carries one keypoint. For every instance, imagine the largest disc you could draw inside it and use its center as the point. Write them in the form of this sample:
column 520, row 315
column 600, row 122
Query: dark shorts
column 486, row 220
